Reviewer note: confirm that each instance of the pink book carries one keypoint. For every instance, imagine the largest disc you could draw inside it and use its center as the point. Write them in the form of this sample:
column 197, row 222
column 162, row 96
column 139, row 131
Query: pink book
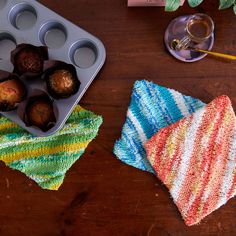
column 148, row 3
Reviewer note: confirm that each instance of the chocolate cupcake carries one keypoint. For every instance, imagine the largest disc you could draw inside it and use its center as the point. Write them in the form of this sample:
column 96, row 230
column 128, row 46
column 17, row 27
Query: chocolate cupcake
column 12, row 91
column 62, row 81
column 29, row 59
column 39, row 112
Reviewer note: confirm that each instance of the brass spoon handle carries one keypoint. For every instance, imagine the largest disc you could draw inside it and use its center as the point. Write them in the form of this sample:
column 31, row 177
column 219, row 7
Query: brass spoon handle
column 175, row 42
column 217, row 54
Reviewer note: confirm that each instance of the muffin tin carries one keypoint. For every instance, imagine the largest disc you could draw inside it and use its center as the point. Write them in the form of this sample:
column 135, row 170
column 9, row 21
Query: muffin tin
column 30, row 22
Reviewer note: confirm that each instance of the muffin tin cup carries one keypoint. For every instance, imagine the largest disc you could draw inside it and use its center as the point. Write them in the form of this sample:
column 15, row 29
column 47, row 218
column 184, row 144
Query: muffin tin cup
column 7, row 43
column 53, row 34
column 83, row 53
column 30, row 22
column 23, row 16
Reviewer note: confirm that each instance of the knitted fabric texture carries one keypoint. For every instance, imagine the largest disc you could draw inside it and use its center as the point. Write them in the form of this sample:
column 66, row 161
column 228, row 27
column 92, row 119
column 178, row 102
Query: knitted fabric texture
column 152, row 107
column 196, row 159
column 46, row 160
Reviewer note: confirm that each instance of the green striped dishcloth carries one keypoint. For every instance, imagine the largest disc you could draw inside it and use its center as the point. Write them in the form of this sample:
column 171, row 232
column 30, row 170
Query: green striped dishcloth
column 47, row 159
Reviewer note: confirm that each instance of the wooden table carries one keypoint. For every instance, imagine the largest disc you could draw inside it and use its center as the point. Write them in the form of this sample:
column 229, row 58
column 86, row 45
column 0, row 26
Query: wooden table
column 100, row 195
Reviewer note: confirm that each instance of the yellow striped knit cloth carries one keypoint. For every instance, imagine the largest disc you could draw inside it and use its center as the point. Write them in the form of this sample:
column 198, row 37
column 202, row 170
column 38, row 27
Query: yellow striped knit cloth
column 47, row 159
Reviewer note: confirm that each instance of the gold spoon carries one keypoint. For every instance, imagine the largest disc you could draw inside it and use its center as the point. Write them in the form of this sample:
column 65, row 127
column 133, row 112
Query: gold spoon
column 175, row 42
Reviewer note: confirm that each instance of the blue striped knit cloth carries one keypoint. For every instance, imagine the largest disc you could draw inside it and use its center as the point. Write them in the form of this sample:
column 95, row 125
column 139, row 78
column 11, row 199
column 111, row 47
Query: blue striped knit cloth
column 152, row 107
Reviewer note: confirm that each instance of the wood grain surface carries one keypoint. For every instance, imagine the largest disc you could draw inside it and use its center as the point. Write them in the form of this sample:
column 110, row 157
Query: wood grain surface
column 100, row 195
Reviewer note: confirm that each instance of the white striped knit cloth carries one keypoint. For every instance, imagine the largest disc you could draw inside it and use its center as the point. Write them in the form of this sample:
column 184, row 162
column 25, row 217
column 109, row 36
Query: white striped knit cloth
column 152, row 107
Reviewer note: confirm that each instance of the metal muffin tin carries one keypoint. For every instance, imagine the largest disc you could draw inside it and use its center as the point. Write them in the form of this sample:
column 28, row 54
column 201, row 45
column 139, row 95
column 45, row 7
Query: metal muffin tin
column 28, row 21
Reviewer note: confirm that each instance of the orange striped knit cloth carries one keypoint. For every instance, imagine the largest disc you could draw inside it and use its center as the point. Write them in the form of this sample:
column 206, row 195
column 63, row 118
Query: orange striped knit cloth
column 196, row 159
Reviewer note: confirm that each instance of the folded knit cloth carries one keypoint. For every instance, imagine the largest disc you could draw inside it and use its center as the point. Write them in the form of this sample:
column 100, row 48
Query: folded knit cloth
column 152, row 107
column 47, row 159
column 196, row 159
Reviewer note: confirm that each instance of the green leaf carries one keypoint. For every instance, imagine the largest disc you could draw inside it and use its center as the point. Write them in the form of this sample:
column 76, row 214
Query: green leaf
column 226, row 4
column 172, row 5
column 234, row 9
column 194, row 3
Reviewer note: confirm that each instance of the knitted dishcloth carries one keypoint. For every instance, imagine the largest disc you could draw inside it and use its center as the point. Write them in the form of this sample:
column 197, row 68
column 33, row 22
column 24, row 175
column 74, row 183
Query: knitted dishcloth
column 47, row 159
column 152, row 107
column 196, row 159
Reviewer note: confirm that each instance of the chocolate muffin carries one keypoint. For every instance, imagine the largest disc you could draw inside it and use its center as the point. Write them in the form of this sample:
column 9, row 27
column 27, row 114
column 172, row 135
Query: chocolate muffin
column 39, row 113
column 29, row 59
